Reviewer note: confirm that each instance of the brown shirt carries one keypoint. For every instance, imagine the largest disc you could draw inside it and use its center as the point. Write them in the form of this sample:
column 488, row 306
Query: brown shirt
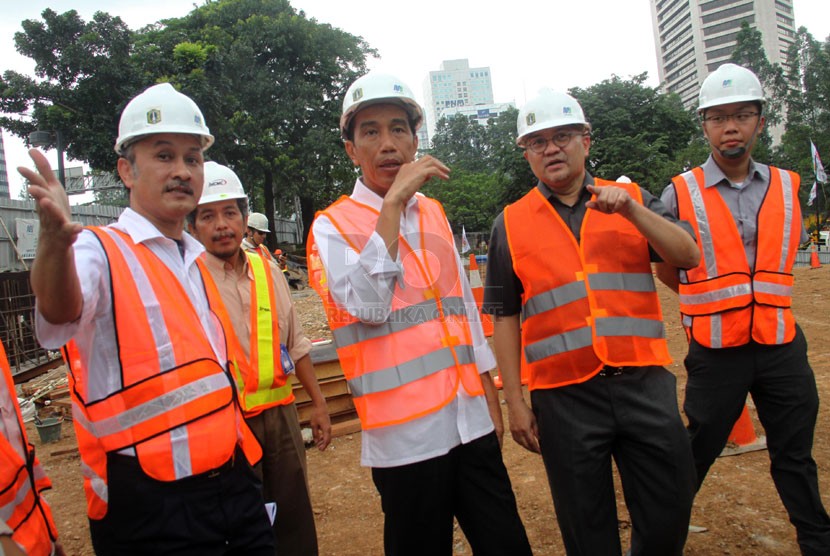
column 235, row 288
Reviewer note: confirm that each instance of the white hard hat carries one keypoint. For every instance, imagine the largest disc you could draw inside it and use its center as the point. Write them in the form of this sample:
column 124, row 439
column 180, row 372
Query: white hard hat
column 623, row 179
column 221, row 184
column 728, row 84
column 258, row 221
column 546, row 110
column 161, row 109
column 375, row 88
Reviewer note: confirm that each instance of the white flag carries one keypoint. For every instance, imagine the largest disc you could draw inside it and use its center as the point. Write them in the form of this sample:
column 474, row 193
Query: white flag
column 465, row 245
column 817, row 167
column 812, row 196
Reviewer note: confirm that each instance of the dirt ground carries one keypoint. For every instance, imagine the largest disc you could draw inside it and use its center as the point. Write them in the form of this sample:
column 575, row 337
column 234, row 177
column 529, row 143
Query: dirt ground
column 738, row 504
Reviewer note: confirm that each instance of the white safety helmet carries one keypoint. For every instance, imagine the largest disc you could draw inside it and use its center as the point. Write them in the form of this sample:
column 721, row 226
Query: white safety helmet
column 728, row 84
column 161, row 109
column 258, row 221
column 546, row 110
column 221, row 184
column 623, row 179
column 376, row 88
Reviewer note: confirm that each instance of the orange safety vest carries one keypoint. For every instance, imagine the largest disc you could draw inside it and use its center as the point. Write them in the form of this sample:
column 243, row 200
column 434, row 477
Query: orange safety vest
column 410, row 365
column 21, row 477
column 584, row 305
column 260, row 380
column 725, row 302
column 176, row 403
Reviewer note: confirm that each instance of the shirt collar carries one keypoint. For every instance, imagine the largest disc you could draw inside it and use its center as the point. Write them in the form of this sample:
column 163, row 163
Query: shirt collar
column 713, row 175
column 583, row 193
column 142, row 230
column 366, row 196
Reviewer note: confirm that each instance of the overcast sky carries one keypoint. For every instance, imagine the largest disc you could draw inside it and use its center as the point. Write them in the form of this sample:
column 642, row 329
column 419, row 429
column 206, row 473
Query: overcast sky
column 527, row 45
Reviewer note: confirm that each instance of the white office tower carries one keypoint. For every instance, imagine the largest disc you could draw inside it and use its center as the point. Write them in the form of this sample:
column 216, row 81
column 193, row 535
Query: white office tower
column 455, row 85
column 4, row 176
column 694, row 37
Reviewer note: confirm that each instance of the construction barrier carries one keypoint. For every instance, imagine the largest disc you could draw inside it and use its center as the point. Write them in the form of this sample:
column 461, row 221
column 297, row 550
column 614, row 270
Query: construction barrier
column 478, row 293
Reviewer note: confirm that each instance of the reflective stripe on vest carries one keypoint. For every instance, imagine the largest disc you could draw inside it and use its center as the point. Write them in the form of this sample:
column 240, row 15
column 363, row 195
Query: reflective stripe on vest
column 260, row 379
column 411, row 364
column 22, row 479
column 725, row 302
column 577, row 299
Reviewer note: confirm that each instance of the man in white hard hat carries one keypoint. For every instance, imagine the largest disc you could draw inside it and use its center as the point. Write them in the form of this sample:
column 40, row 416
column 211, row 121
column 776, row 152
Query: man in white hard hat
column 258, row 231
column 165, row 452
column 409, row 338
column 577, row 316
column 736, row 303
column 266, row 349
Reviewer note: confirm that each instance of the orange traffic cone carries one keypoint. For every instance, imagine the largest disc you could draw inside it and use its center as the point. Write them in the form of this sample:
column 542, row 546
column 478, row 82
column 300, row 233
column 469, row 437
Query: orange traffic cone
column 814, row 262
column 743, row 436
column 478, row 293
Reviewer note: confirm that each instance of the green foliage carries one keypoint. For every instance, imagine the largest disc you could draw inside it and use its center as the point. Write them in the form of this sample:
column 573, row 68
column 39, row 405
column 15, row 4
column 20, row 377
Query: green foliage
column 749, row 52
column 637, row 131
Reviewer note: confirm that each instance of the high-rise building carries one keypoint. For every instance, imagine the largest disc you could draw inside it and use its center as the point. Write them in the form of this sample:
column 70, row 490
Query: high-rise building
column 4, row 176
column 455, row 84
column 694, row 37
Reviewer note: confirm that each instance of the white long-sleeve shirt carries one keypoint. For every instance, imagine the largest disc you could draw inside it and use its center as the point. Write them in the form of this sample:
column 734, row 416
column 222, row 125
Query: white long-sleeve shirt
column 363, row 284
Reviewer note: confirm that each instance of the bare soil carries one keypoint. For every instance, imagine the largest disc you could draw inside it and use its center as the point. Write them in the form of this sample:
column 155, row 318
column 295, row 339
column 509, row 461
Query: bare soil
column 738, row 504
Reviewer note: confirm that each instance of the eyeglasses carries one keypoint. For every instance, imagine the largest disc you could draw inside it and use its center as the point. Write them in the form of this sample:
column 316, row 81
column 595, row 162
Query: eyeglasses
column 540, row 144
column 721, row 119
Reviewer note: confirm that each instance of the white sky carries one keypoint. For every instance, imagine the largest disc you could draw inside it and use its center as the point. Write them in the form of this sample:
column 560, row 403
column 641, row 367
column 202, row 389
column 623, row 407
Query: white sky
column 529, row 45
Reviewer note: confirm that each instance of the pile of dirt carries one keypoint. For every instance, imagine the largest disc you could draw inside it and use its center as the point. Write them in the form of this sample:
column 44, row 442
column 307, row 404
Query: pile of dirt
column 738, row 504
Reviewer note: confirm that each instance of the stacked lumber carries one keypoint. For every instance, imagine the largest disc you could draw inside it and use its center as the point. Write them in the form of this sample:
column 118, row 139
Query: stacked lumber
column 334, row 388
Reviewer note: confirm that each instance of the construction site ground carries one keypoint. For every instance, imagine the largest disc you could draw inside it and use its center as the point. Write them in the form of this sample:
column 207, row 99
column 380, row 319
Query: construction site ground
column 738, row 505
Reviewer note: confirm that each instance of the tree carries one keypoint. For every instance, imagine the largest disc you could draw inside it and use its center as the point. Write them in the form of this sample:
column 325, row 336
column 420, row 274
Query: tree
column 636, row 131
column 84, row 73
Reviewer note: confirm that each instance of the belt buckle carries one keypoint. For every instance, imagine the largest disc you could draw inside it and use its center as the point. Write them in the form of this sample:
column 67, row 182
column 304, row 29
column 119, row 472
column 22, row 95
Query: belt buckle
column 609, row 370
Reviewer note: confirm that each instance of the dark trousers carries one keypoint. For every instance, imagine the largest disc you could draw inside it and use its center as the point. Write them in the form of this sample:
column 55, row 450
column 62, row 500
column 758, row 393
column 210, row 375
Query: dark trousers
column 283, row 474
column 634, row 419
column 471, row 483
column 783, row 387
column 219, row 513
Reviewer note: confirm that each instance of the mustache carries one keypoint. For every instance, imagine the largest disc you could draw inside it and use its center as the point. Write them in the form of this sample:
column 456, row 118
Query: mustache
column 180, row 186
column 223, row 235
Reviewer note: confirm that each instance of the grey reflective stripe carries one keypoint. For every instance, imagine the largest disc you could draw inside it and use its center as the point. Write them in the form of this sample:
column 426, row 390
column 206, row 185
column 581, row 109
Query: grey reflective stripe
column 721, row 294
column 179, row 444
column 158, row 406
column 622, row 281
column 561, row 343
column 716, row 330
column 152, row 307
column 630, row 326
column 772, row 288
column 410, row 371
column 99, row 486
column 780, row 328
column 787, row 192
column 706, row 244
column 398, row 320
column 19, row 496
column 554, row 298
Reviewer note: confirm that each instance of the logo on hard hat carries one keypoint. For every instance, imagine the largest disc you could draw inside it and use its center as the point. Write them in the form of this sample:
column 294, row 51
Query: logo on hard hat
column 197, row 119
column 566, row 110
column 218, row 181
column 357, row 94
column 397, row 88
column 153, row 116
column 531, row 118
column 726, row 83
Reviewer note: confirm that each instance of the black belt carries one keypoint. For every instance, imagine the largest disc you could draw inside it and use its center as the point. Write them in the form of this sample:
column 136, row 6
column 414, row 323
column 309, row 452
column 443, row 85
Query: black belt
column 608, row 371
column 131, row 462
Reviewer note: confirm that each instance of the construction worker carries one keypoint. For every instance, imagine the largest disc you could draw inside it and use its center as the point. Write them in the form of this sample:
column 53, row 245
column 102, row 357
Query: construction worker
column 254, row 239
column 267, row 345
column 569, row 282
column 26, row 524
column 736, row 302
column 409, row 338
column 166, row 455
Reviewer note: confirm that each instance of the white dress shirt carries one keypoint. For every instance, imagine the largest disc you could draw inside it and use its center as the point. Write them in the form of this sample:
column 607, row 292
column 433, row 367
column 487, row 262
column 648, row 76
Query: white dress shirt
column 363, row 284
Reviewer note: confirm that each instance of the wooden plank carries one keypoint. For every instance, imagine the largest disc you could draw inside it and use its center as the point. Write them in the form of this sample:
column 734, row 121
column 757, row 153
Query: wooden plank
column 338, row 405
column 330, row 387
column 351, row 426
